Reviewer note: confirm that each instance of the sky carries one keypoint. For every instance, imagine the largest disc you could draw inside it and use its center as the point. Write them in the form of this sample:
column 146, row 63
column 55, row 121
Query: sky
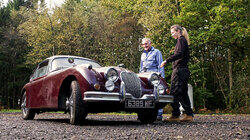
column 50, row 3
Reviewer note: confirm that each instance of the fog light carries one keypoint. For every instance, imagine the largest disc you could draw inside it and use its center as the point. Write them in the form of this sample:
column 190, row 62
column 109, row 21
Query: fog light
column 161, row 89
column 97, row 86
column 110, row 86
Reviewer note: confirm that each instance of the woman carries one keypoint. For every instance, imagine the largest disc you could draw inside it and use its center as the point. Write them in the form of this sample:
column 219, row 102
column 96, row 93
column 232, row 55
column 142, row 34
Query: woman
column 180, row 75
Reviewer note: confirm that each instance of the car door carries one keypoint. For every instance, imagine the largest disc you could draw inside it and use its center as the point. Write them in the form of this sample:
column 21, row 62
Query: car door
column 35, row 91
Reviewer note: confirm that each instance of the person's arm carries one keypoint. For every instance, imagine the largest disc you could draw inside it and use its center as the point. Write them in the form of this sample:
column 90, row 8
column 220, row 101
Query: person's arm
column 140, row 70
column 159, row 61
column 180, row 50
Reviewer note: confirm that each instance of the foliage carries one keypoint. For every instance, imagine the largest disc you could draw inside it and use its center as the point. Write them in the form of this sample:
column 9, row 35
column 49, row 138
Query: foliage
column 218, row 31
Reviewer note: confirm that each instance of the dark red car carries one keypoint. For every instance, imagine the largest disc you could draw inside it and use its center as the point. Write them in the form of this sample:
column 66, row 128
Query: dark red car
column 80, row 86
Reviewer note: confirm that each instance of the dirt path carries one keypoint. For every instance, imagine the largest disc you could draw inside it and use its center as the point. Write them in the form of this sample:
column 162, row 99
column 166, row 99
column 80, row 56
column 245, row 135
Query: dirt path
column 56, row 126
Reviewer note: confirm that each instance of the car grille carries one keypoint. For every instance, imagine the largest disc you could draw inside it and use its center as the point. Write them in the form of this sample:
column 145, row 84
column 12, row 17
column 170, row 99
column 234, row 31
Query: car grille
column 132, row 84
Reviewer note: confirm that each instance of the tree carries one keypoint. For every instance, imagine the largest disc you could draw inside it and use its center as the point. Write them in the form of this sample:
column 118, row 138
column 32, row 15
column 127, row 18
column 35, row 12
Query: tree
column 13, row 73
column 219, row 30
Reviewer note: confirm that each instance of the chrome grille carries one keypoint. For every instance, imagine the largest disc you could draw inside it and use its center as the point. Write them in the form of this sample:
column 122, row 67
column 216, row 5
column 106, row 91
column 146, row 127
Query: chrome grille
column 132, row 84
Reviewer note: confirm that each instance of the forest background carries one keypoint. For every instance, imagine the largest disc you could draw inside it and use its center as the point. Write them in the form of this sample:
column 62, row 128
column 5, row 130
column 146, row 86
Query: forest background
column 109, row 32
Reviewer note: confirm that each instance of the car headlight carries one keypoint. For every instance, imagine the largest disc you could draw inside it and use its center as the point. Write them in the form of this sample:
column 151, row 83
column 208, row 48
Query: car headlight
column 161, row 89
column 109, row 85
column 112, row 75
column 154, row 79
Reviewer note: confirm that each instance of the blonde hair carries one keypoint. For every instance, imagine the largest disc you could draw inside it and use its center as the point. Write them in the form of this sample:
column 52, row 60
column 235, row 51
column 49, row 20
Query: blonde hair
column 183, row 32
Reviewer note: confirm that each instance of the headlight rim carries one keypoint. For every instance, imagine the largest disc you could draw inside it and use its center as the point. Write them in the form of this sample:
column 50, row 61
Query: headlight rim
column 106, row 75
column 151, row 79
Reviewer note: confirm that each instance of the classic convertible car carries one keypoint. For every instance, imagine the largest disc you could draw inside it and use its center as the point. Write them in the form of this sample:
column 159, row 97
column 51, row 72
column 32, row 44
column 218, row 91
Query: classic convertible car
column 80, row 86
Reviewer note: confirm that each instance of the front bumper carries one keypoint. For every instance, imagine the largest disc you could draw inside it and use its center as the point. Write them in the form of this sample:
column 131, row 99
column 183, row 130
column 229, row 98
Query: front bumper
column 96, row 96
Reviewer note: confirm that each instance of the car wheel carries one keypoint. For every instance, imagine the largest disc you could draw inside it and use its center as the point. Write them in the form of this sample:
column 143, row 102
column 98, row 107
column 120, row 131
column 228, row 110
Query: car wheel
column 77, row 108
column 147, row 116
column 28, row 114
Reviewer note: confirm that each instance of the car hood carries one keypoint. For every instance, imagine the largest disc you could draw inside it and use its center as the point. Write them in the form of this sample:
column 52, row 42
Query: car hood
column 105, row 69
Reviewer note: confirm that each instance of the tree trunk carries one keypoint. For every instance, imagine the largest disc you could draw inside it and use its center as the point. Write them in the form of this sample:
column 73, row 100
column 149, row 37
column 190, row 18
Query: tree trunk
column 230, row 74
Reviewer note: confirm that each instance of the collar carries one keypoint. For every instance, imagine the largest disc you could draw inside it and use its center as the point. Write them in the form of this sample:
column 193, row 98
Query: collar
column 151, row 49
column 180, row 37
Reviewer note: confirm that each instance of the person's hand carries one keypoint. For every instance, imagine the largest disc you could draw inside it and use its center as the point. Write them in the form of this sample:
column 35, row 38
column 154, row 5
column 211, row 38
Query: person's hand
column 163, row 63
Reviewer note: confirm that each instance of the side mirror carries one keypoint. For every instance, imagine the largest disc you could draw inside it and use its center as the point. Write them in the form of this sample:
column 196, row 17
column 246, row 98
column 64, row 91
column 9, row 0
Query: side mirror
column 121, row 65
column 31, row 77
column 71, row 60
column 90, row 66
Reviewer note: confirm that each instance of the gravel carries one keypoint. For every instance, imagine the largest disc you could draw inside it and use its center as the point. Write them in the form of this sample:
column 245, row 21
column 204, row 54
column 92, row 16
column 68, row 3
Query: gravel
column 56, row 126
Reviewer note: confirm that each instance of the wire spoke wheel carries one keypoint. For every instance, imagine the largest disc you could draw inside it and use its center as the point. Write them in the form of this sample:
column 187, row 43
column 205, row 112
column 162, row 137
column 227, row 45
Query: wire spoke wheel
column 77, row 108
column 28, row 114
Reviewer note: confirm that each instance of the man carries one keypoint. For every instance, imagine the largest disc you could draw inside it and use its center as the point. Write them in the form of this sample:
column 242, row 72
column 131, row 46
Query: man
column 151, row 60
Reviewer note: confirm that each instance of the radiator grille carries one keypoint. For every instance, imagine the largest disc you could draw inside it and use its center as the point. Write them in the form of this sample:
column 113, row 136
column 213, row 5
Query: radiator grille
column 132, row 84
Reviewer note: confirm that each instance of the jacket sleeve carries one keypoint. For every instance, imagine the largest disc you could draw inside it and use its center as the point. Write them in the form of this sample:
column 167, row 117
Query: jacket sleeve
column 140, row 70
column 159, row 61
column 180, row 50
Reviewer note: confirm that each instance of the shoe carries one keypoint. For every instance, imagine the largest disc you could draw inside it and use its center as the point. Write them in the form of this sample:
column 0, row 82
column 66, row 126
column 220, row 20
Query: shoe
column 187, row 118
column 172, row 119
column 159, row 118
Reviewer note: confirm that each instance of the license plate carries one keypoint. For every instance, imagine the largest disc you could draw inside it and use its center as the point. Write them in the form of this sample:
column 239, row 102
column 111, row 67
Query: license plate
column 132, row 103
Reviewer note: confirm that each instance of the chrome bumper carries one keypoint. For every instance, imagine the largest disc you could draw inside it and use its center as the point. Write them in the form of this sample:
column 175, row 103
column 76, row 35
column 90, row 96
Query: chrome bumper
column 95, row 96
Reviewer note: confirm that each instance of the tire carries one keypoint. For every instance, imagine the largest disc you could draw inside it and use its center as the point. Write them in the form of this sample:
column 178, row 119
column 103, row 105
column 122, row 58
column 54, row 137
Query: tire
column 27, row 113
column 147, row 116
column 77, row 109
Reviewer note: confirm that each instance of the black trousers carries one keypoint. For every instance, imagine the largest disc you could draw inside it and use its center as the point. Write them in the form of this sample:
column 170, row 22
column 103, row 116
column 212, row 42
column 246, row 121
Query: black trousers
column 179, row 89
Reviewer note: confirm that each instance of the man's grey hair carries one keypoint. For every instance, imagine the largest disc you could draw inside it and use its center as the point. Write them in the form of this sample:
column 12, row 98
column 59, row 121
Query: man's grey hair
column 146, row 39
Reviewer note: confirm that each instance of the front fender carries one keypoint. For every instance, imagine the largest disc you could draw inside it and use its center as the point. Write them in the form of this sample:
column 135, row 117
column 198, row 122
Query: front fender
column 86, row 78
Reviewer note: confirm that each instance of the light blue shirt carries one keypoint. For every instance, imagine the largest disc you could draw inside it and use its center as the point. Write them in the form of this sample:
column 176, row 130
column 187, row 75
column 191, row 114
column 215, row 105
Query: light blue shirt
column 151, row 61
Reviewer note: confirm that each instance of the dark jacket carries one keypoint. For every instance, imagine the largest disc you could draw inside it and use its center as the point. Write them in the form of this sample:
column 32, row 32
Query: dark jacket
column 181, row 54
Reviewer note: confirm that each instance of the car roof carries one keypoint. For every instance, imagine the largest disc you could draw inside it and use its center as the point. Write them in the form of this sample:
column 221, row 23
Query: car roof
column 61, row 56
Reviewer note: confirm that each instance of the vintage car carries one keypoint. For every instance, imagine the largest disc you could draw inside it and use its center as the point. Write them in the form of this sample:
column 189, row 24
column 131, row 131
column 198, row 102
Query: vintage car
column 80, row 86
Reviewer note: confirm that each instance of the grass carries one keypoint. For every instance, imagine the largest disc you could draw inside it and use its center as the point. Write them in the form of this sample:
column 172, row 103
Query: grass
column 10, row 110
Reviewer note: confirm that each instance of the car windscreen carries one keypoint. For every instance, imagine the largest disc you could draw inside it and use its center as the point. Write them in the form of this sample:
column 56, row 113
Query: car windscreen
column 61, row 63
column 41, row 70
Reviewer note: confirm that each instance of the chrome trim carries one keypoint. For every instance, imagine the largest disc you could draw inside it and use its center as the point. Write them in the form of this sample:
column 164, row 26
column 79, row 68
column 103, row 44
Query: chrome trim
column 97, row 96
column 150, row 80
column 156, row 93
column 106, row 72
column 122, row 91
column 104, row 96
column 166, row 99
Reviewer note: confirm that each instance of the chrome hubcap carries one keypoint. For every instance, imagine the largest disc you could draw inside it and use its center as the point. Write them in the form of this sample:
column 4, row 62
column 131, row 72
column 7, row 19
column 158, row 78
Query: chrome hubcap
column 23, row 106
column 69, row 106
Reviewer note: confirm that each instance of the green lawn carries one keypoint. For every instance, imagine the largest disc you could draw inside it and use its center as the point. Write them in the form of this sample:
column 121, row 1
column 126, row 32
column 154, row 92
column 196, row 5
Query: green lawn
column 10, row 110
